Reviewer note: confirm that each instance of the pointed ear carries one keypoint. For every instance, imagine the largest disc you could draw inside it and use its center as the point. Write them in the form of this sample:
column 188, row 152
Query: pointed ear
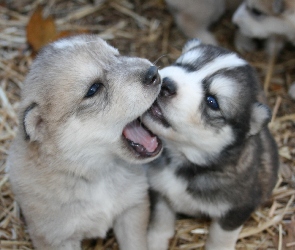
column 191, row 44
column 33, row 123
column 278, row 6
column 260, row 117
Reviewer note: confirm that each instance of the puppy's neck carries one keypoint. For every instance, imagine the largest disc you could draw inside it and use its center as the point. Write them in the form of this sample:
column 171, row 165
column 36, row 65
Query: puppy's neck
column 191, row 154
column 205, row 158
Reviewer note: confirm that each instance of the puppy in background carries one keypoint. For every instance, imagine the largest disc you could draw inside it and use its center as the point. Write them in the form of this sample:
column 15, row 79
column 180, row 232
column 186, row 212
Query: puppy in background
column 194, row 17
column 74, row 164
column 273, row 20
column 220, row 159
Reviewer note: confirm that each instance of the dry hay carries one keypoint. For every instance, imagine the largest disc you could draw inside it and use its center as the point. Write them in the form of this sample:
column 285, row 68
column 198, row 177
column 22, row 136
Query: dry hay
column 146, row 29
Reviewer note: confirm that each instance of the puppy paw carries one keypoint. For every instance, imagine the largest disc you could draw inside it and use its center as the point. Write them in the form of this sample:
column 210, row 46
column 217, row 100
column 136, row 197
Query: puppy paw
column 159, row 240
column 220, row 239
column 218, row 248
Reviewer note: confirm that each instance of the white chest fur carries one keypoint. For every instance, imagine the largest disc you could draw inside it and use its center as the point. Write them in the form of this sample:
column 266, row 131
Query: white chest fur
column 84, row 208
column 175, row 190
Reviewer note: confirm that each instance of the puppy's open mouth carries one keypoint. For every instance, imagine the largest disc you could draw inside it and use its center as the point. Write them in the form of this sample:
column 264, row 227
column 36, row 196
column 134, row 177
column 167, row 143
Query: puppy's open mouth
column 141, row 140
column 157, row 114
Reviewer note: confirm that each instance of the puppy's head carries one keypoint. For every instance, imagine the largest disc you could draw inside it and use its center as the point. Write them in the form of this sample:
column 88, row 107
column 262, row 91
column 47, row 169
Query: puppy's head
column 84, row 99
column 265, row 18
column 208, row 102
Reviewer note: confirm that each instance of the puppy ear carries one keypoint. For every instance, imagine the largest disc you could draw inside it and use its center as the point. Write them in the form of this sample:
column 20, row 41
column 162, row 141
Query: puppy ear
column 191, row 44
column 260, row 117
column 33, row 123
column 278, row 6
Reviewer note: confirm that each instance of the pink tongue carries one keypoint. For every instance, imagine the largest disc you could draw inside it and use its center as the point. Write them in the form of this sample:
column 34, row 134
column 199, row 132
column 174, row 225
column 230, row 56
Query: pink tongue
column 136, row 133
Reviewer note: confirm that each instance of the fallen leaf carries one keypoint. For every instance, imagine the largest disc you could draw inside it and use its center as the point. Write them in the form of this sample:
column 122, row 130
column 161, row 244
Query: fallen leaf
column 276, row 87
column 40, row 30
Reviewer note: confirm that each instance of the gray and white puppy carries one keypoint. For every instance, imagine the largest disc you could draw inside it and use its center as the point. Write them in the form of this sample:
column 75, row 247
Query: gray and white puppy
column 220, row 159
column 75, row 164
column 273, row 20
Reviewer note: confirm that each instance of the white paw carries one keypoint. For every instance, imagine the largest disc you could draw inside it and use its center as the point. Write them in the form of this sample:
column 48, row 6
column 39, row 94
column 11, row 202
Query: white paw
column 220, row 239
column 213, row 246
column 159, row 240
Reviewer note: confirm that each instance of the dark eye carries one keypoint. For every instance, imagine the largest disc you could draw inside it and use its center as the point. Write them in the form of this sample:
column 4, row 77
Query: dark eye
column 256, row 12
column 95, row 87
column 212, row 102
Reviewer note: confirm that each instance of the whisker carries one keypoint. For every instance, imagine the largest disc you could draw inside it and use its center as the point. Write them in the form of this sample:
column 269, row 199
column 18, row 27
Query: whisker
column 155, row 62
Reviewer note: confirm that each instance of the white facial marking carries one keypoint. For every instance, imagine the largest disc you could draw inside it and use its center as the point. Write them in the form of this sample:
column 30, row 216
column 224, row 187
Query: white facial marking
column 196, row 141
column 222, row 62
column 189, row 90
column 190, row 57
column 223, row 86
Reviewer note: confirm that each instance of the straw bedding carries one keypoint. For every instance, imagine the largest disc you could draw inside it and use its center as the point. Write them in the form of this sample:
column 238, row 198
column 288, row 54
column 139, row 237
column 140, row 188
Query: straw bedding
column 146, row 29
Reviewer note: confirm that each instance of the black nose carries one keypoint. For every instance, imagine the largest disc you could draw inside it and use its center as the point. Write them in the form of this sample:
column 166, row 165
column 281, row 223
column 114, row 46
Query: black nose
column 152, row 76
column 168, row 87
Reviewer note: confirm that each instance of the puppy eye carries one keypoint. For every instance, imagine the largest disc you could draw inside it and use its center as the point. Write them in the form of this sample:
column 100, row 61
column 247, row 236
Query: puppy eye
column 95, row 87
column 212, row 102
column 256, row 12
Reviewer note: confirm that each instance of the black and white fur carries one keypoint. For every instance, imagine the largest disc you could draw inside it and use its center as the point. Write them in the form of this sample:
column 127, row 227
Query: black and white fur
column 220, row 159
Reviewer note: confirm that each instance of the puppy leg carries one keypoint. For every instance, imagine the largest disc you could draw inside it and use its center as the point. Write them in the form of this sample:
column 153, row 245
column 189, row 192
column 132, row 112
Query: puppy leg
column 220, row 239
column 131, row 228
column 224, row 232
column 161, row 227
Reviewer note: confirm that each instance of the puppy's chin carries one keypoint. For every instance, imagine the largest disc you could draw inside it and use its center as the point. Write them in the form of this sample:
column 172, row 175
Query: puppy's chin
column 156, row 125
column 142, row 145
column 158, row 115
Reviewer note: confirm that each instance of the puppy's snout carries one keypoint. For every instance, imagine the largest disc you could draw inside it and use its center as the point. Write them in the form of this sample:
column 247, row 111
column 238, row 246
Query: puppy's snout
column 152, row 76
column 168, row 87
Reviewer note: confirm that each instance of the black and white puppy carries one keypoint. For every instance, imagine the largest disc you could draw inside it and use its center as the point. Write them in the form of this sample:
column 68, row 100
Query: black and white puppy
column 220, row 159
